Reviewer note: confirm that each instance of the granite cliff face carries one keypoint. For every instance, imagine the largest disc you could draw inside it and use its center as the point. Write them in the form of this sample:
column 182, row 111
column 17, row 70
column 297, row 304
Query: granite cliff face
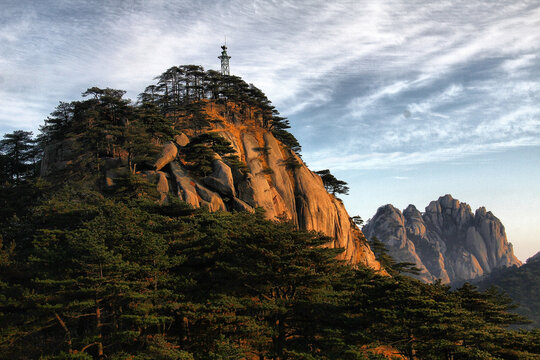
column 446, row 242
column 277, row 180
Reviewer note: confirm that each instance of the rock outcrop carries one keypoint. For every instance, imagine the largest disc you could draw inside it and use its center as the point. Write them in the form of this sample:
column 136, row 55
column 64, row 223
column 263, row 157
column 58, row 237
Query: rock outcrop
column 446, row 242
column 285, row 192
column 168, row 154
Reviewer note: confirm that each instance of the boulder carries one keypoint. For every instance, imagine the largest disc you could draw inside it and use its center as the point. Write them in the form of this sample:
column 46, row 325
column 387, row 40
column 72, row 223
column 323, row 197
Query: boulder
column 57, row 156
column 168, row 154
column 281, row 179
column 236, row 142
column 158, row 178
column 319, row 211
column 218, row 186
column 221, row 178
column 245, row 190
column 181, row 140
column 260, row 188
column 210, row 199
column 162, row 185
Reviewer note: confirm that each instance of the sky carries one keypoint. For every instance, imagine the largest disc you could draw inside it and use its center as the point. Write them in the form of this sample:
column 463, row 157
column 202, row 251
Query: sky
column 404, row 100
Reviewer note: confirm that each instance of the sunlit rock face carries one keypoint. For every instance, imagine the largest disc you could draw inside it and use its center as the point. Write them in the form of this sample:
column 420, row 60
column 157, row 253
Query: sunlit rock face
column 291, row 193
column 446, row 242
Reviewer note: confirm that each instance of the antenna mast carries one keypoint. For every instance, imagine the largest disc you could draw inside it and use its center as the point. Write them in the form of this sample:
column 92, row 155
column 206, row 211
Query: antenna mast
column 224, row 60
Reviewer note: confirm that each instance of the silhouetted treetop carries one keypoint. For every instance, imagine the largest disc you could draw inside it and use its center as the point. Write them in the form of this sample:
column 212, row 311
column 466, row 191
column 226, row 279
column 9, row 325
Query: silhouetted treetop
column 181, row 89
column 332, row 184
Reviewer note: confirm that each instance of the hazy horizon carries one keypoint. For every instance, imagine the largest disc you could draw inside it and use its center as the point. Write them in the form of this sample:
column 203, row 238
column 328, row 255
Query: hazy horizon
column 405, row 100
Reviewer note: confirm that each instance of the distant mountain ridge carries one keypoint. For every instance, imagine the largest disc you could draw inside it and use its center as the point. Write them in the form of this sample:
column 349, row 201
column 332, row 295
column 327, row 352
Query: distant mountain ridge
column 446, row 242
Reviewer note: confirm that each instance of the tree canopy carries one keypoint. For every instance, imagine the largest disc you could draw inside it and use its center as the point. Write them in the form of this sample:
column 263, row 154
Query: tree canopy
column 182, row 91
column 88, row 276
column 18, row 157
column 332, row 184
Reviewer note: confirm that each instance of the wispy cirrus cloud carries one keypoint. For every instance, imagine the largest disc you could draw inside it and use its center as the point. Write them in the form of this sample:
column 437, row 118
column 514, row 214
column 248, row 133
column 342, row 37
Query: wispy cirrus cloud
column 402, row 77
column 396, row 159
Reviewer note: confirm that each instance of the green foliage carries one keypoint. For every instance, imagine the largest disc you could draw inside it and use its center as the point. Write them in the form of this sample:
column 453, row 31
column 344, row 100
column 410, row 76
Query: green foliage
column 181, row 91
column 287, row 139
column 332, row 184
column 106, row 126
column 200, row 153
column 522, row 284
column 98, row 279
column 357, row 220
column 267, row 171
column 292, row 163
column 265, row 150
column 261, row 277
column 18, row 157
column 86, row 275
column 131, row 187
column 156, row 124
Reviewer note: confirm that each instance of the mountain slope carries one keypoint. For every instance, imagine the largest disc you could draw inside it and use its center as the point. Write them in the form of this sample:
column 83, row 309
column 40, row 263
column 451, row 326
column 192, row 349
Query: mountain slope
column 446, row 242
column 522, row 284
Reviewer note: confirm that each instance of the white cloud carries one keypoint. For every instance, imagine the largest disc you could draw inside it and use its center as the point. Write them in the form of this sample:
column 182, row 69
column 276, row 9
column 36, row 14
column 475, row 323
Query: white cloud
column 428, row 106
column 515, row 64
column 343, row 160
column 408, row 95
column 360, row 105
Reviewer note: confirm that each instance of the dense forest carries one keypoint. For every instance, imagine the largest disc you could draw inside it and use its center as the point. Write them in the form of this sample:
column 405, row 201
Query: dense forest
column 522, row 284
column 89, row 273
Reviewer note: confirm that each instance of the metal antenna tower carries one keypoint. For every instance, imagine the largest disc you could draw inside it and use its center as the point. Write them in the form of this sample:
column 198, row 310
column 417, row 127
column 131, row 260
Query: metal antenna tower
column 224, row 60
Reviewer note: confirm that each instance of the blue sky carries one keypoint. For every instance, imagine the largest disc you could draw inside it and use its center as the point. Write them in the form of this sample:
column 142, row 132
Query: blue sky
column 404, row 100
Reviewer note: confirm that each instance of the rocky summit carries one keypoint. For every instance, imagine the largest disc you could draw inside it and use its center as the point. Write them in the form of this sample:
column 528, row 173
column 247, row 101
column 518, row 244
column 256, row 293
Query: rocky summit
column 446, row 242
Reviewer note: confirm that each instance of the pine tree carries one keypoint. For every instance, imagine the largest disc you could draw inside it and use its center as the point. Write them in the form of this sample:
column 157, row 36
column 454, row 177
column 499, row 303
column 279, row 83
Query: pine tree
column 333, row 185
column 265, row 282
column 100, row 281
column 19, row 153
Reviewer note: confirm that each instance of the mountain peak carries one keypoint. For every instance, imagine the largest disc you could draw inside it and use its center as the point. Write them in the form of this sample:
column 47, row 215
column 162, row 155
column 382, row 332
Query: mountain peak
column 447, row 242
column 447, row 201
column 210, row 140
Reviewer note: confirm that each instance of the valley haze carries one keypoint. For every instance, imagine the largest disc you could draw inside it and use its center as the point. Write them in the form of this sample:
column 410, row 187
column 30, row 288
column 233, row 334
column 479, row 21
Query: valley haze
column 404, row 100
